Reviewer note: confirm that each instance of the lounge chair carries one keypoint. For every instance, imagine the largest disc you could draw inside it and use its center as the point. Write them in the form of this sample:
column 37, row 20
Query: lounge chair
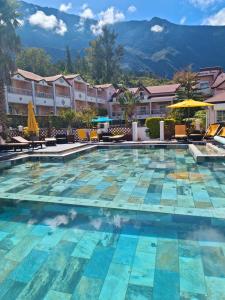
column 82, row 135
column 20, row 139
column 181, row 132
column 94, row 135
column 220, row 137
column 4, row 146
column 212, row 131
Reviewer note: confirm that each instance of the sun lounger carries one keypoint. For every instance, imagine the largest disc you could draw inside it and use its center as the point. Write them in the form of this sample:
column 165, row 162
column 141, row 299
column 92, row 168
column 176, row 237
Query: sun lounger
column 116, row 138
column 20, row 139
column 220, row 137
column 4, row 146
column 50, row 141
column 82, row 135
column 94, row 135
column 212, row 131
column 181, row 132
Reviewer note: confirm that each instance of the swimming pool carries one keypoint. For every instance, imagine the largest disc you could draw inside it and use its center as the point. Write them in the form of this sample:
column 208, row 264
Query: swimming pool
column 113, row 177
column 51, row 251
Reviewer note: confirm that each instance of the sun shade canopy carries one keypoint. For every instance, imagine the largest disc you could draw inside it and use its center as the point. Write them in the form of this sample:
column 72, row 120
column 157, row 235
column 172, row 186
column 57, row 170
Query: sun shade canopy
column 101, row 120
column 189, row 103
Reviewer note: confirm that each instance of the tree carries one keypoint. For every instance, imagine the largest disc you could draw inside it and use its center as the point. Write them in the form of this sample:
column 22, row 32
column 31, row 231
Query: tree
column 128, row 102
column 188, row 90
column 9, row 45
column 68, row 63
column 35, row 60
column 104, row 57
column 87, row 115
column 189, row 86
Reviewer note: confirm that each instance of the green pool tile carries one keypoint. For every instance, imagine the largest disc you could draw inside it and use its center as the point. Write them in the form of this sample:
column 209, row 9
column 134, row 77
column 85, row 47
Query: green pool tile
column 88, row 289
column 115, row 285
column 23, row 248
column 9, row 289
column 39, row 286
column 135, row 292
column 147, row 244
column 167, row 256
column 213, row 261
column 69, row 277
column 6, row 266
column 60, row 255
column 54, row 295
column 86, row 245
column 143, row 269
column 215, row 288
column 192, row 278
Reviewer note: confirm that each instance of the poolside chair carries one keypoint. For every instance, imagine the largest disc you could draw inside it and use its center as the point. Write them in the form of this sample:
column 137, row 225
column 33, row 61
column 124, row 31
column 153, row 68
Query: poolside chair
column 181, row 132
column 211, row 131
column 4, row 146
column 82, row 135
column 221, row 132
column 20, row 139
column 94, row 135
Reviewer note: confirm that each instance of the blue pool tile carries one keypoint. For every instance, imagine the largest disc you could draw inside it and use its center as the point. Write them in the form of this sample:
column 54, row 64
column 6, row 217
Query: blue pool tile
column 29, row 266
column 100, row 257
column 166, row 285
column 125, row 250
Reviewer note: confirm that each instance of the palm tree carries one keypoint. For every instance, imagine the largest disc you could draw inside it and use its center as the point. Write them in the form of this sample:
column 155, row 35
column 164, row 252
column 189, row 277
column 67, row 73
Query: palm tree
column 9, row 45
column 128, row 102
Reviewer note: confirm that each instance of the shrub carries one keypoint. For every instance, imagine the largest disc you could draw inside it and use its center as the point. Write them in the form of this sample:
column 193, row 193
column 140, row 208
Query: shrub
column 153, row 125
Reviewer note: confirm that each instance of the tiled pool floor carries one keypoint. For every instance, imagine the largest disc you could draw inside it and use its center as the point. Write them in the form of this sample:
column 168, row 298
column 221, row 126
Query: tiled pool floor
column 149, row 177
column 52, row 252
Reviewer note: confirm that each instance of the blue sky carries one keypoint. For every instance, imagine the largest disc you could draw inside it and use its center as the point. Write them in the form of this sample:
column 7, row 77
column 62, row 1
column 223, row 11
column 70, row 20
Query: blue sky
column 210, row 12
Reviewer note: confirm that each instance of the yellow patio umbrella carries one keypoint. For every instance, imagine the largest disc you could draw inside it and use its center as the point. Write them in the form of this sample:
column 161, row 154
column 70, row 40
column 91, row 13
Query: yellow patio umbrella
column 190, row 103
column 32, row 125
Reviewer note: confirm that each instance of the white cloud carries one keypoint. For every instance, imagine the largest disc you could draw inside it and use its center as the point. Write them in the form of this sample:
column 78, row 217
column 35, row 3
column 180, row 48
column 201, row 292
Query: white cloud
column 21, row 22
column 132, row 8
column 65, row 7
column 87, row 13
column 84, row 6
column 217, row 19
column 204, row 3
column 183, row 20
column 48, row 22
column 107, row 17
column 157, row 28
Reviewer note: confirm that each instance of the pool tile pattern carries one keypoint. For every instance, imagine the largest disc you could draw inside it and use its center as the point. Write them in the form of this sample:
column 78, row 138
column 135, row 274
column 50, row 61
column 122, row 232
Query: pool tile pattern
column 144, row 176
column 65, row 252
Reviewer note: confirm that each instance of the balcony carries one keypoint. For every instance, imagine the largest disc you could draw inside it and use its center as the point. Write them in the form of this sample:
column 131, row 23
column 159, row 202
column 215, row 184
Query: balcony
column 19, row 91
column 44, row 95
column 159, row 112
column 64, row 95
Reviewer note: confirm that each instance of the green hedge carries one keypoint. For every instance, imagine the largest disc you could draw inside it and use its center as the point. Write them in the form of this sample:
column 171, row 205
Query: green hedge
column 153, row 125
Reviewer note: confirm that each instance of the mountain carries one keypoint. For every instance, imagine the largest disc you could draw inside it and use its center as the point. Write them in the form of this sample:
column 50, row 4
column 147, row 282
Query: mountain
column 156, row 46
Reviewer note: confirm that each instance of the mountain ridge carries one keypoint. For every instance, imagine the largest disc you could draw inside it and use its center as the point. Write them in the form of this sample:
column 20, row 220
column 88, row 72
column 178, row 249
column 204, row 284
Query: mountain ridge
column 157, row 45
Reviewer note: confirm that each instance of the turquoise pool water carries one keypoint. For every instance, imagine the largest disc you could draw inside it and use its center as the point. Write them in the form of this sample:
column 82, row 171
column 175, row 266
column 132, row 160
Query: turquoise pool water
column 149, row 176
column 51, row 252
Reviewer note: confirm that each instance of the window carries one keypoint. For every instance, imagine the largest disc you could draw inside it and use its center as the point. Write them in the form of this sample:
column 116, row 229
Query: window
column 204, row 85
column 221, row 116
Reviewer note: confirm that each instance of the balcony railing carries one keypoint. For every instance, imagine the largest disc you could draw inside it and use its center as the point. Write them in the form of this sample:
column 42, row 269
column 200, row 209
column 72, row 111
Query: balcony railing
column 19, row 91
column 62, row 95
column 158, row 111
column 44, row 95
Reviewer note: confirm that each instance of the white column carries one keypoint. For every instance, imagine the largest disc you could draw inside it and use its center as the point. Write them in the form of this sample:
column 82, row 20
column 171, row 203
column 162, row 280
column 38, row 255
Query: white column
column 74, row 97
column 6, row 100
column 150, row 108
column 33, row 95
column 86, row 95
column 135, row 131
column 54, row 98
column 162, row 135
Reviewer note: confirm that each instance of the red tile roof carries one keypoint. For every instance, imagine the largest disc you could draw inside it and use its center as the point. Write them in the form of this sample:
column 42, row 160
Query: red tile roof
column 217, row 98
column 161, row 89
column 103, row 86
column 219, row 80
column 29, row 75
